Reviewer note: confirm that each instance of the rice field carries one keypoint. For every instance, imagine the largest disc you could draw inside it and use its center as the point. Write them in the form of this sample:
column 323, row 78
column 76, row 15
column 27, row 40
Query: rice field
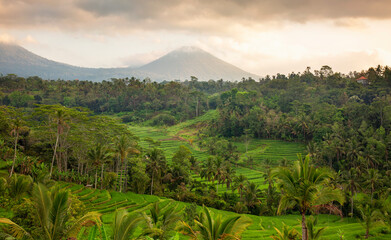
column 262, row 227
column 265, row 152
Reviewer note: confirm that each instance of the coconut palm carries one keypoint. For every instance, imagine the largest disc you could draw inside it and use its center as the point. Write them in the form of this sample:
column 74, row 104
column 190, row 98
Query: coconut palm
column 286, row 233
column 220, row 168
column 370, row 217
column 372, row 180
column 251, row 195
column 123, row 147
column 18, row 185
column 240, row 184
column 351, row 183
column 208, row 169
column 60, row 120
column 312, row 233
column 52, row 211
column 160, row 224
column 305, row 186
column 98, row 156
column 124, row 225
column 209, row 227
column 156, row 164
column 17, row 125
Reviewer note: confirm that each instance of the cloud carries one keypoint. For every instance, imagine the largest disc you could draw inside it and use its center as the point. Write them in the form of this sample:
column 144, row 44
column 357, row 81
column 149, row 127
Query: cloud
column 188, row 15
column 6, row 38
column 137, row 60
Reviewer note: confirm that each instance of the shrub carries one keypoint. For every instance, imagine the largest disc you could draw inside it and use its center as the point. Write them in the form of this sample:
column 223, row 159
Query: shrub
column 163, row 119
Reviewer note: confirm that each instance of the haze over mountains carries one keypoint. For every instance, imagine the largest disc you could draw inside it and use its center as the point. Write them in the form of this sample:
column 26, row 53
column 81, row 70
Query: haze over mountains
column 179, row 64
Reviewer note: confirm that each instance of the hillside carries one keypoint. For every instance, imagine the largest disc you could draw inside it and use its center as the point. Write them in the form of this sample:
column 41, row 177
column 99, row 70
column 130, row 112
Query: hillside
column 179, row 64
column 262, row 227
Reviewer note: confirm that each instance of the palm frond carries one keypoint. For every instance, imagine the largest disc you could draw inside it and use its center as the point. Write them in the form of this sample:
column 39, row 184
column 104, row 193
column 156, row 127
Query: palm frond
column 80, row 222
column 58, row 213
column 16, row 230
column 42, row 205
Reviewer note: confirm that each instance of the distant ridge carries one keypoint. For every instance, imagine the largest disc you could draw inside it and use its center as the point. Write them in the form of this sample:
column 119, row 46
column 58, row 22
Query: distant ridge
column 179, row 64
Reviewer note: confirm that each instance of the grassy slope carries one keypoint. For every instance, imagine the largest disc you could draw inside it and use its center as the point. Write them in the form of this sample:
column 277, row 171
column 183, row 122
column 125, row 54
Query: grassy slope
column 184, row 134
column 106, row 202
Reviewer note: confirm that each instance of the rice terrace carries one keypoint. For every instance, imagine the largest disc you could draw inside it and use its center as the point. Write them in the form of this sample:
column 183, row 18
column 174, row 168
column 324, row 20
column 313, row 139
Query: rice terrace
column 195, row 120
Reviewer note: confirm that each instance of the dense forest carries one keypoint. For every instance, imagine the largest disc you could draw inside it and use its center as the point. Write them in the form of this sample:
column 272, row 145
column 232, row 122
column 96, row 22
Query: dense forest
column 54, row 131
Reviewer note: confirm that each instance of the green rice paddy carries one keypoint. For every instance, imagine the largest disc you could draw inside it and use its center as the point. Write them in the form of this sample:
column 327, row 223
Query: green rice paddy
column 262, row 227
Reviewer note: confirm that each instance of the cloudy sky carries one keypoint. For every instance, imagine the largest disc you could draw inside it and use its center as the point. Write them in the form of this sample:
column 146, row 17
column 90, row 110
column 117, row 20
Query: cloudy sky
column 259, row 36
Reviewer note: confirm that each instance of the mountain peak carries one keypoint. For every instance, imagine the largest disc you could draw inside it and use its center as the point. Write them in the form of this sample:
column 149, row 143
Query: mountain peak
column 181, row 64
column 189, row 49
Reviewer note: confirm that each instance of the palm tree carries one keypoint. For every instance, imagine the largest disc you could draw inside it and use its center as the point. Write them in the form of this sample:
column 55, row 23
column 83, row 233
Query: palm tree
column 124, row 225
column 240, row 184
column 194, row 164
column 19, row 185
column 60, row 117
column 209, row 227
column 156, row 162
column 123, row 147
column 17, row 124
column 98, row 156
column 52, row 211
column 208, row 169
column 251, row 195
column 305, row 186
column 286, row 233
column 372, row 180
column 220, row 167
column 312, row 233
column 228, row 175
column 370, row 217
column 160, row 225
column 351, row 183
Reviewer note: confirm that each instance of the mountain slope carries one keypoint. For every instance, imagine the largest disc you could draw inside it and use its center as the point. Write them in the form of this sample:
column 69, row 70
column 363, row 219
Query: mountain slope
column 178, row 64
column 17, row 60
column 191, row 61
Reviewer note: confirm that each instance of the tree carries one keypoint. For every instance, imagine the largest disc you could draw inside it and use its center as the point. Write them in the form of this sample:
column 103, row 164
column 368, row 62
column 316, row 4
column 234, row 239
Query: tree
column 220, row 168
column 156, row 164
column 209, row 227
column 240, row 184
column 372, row 180
column 53, row 214
column 208, row 169
column 60, row 118
column 16, row 126
column 160, row 225
column 351, row 184
column 251, row 195
column 370, row 217
column 98, row 156
column 313, row 234
column 286, row 233
column 305, row 186
column 123, row 147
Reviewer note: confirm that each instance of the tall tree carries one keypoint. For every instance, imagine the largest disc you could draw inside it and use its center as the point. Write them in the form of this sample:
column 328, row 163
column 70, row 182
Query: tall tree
column 156, row 164
column 123, row 146
column 305, row 186
column 16, row 126
column 98, row 156
column 52, row 211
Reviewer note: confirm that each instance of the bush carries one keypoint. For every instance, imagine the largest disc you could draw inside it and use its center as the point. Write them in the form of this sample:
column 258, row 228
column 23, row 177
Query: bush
column 110, row 180
column 25, row 215
column 163, row 119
